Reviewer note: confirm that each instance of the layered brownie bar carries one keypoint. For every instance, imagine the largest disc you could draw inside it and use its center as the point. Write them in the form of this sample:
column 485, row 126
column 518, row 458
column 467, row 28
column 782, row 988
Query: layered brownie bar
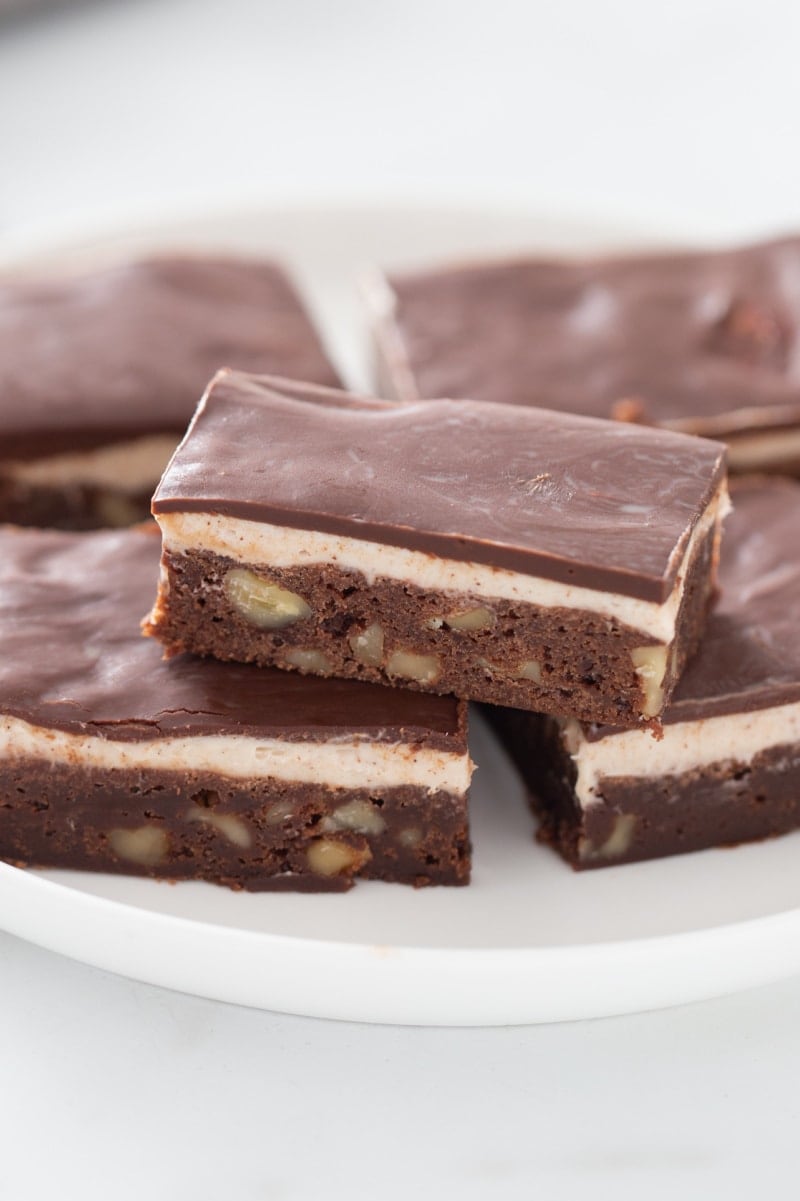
column 100, row 373
column 113, row 760
column 698, row 342
column 510, row 555
column 728, row 767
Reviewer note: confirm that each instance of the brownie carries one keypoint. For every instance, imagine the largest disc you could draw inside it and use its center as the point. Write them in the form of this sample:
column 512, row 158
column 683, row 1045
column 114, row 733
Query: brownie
column 515, row 556
column 112, row 759
column 100, row 373
column 728, row 767
column 703, row 342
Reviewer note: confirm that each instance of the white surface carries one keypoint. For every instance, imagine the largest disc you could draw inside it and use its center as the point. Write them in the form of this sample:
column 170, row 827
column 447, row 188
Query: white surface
column 678, row 115
column 521, row 943
column 115, row 1089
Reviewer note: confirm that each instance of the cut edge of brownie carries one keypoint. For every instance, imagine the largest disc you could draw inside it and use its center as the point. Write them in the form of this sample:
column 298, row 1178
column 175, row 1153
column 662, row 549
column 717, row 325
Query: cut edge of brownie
column 387, row 632
column 632, row 818
column 255, row 834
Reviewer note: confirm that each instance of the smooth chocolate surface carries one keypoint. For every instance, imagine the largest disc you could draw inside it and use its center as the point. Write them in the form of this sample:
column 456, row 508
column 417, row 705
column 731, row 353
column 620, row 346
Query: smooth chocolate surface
column 597, row 504
column 72, row 658
column 705, row 342
column 750, row 654
column 127, row 350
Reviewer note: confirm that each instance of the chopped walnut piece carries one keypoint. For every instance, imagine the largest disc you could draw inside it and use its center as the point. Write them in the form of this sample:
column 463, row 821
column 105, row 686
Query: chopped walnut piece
column 367, row 646
column 357, row 815
column 470, row 619
column 330, row 857
column 410, row 666
column 263, row 604
column 308, row 660
column 145, row 845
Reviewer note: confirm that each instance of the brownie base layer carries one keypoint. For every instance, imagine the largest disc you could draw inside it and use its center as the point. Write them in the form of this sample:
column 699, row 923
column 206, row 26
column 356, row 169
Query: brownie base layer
column 551, row 660
column 723, row 804
column 77, row 507
column 255, row 834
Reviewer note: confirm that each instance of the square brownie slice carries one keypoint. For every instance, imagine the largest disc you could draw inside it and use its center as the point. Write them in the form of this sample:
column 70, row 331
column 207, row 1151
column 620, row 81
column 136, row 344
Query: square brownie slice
column 100, row 373
column 703, row 341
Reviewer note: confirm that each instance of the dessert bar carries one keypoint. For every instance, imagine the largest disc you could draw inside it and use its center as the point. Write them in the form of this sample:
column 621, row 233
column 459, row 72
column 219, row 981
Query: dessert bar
column 700, row 342
column 728, row 767
column 100, row 373
column 113, row 760
column 510, row 555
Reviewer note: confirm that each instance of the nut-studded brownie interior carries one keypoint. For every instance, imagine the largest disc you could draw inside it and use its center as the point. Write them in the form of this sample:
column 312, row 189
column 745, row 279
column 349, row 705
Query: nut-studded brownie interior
column 257, row 834
column 329, row 622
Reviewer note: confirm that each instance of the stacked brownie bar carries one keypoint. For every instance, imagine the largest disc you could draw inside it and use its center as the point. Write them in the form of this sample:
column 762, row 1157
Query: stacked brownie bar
column 516, row 556
column 110, row 758
column 340, row 575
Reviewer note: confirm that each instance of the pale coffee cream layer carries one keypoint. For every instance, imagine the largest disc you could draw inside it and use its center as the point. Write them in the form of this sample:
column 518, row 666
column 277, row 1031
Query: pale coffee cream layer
column 130, row 467
column 337, row 763
column 254, row 543
column 686, row 746
column 750, row 452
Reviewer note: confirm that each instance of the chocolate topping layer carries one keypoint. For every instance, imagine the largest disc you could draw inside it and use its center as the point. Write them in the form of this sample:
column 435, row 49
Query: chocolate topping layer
column 750, row 654
column 591, row 503
column 125, row 351
column 72, row 658
column 683, row 340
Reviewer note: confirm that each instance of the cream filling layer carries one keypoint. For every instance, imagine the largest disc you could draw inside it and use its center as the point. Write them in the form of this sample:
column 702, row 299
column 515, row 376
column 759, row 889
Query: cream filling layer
column 337, row 763
column 749, row 452
column 122, row 467
column 259, row 543
column 686, row 746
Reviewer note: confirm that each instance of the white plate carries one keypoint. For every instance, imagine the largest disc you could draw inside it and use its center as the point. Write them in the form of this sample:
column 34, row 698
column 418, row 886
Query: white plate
column 529, row 940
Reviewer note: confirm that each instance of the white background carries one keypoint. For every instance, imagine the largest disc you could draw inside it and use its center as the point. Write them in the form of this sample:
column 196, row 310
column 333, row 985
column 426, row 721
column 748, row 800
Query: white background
column 673, row 117
column 682, row 113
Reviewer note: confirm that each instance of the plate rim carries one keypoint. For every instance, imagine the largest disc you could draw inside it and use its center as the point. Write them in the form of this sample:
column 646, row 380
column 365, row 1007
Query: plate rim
column 372, row 988
column 43, row 236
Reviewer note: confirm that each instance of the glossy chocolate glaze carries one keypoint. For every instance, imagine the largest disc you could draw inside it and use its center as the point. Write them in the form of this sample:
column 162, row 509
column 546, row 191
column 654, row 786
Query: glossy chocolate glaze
column 72, row 657
column 750, row 654
column 705, row 342
column 592, row 503
column 117, row 353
